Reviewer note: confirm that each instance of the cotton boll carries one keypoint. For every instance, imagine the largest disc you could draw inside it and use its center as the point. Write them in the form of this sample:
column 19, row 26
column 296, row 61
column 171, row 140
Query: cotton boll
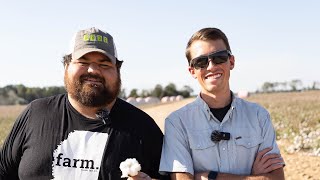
column 125, row 172
column 135, row 167
column 123, row 165
column 132, row 161
column 130, row 167
column 133, row 172
column 124, row 169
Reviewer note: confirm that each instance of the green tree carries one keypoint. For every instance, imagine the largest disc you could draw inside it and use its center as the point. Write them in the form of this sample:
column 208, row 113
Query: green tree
column 53, row 90
column 186, row 91
column 133, row 93
column 315, row 85
column 157, row 91
column 295, row 84
column 144, row 93
column 267, row 87
column 21, row 90
column 170, row 90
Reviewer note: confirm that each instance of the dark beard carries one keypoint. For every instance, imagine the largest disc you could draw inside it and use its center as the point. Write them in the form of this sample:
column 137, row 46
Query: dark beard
column 92, row 95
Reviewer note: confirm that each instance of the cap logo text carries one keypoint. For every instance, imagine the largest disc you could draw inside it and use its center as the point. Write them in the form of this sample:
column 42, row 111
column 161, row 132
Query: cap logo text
column 94, row 37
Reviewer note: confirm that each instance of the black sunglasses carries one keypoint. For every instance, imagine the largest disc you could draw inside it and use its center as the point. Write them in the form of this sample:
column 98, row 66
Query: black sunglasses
column 216, row 57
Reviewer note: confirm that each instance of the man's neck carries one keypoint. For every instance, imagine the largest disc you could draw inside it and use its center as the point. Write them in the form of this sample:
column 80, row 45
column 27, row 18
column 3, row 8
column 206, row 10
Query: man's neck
column 217, row 100
column 88, row 112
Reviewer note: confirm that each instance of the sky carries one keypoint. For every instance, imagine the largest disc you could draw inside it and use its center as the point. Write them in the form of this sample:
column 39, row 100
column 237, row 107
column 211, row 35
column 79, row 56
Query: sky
column 272, row 41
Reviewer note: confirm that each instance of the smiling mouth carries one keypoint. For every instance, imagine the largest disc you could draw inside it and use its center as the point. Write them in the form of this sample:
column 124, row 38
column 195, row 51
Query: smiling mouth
column 92, row 82
column 215, row 76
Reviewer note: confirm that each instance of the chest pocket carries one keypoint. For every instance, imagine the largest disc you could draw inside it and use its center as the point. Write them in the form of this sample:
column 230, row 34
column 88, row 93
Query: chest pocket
column 200, row 139
column 204, row 152
column 247, row 139
column 246, row 149
column 248, row 142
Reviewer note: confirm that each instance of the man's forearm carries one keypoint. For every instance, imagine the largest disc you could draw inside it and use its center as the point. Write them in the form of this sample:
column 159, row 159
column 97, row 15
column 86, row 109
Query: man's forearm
column 181, row 176
column 277, row 174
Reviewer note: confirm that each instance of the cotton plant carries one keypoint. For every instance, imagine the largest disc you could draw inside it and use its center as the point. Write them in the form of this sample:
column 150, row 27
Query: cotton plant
column 130, row 167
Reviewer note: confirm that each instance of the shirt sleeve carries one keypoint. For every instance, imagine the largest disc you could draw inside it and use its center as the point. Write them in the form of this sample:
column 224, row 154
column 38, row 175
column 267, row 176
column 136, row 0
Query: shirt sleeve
column 12, row 149
column 268, row 134
column 176, row 153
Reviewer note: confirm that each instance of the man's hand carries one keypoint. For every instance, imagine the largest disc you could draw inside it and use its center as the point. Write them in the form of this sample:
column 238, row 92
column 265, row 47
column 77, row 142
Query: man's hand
column 140, row 176
column 201, row 176
column 265, row 163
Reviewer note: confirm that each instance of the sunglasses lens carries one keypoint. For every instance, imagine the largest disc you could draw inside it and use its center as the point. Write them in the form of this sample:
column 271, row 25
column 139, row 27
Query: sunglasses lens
column 216, row 58
column 200, row 63
column 219, row 59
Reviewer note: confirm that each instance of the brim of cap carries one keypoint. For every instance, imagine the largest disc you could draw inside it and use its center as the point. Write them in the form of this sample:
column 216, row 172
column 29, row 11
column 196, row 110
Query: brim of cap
column 78, row 54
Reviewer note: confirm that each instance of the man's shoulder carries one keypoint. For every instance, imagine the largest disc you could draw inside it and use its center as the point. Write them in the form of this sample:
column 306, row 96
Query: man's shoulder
column 55, row 100
column 186, row 110
column 49, row 99
column 126, row 110
column 135, row 117
column 239, row 102
column 195, row 104
column 252, row 108
column 122, row 105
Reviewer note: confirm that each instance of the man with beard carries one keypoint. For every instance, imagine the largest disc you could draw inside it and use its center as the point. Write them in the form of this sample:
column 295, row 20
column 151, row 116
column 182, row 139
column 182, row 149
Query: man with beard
column 88, row 132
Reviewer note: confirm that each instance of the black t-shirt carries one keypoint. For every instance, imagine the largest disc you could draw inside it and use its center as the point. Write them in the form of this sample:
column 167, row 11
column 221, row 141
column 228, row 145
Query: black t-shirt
column 51, row 140
column 219, row 113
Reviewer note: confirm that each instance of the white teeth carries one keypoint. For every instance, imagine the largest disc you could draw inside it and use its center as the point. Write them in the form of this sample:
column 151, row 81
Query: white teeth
column 217, row 75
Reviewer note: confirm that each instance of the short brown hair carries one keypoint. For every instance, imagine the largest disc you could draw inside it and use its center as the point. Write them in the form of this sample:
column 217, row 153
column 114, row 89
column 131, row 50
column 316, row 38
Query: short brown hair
column 206, row 34
column 66, row 59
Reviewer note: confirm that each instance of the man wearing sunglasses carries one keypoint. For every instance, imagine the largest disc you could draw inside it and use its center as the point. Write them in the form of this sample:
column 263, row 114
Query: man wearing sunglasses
column 218, row 136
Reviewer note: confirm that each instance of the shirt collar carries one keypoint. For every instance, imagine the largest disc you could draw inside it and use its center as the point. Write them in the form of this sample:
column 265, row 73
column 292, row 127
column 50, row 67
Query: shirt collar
column 200, row 102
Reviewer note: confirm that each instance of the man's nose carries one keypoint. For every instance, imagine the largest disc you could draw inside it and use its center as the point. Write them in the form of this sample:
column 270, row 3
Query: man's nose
column 93, row 67
column 210, row 64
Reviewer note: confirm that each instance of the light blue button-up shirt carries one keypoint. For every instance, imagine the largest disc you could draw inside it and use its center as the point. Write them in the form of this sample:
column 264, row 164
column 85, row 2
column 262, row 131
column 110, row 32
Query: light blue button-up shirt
column 188, row 147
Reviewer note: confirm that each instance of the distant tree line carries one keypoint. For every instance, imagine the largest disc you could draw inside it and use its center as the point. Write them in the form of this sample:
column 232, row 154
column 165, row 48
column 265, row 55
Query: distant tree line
column 20, row 94
column 159, row 91
column 293, row 85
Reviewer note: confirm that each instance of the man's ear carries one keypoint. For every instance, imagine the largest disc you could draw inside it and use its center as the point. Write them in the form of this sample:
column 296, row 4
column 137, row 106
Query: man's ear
column 232, row 62
column 192, row 72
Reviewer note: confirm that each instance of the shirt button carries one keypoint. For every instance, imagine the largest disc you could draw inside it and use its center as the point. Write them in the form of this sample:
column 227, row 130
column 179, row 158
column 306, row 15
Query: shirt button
column 224, row 149
column 249, row 144
column 198, row 145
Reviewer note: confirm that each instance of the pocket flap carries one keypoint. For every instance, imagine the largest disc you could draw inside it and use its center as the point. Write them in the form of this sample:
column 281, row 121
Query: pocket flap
column 200, row 139
column 249, row 142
